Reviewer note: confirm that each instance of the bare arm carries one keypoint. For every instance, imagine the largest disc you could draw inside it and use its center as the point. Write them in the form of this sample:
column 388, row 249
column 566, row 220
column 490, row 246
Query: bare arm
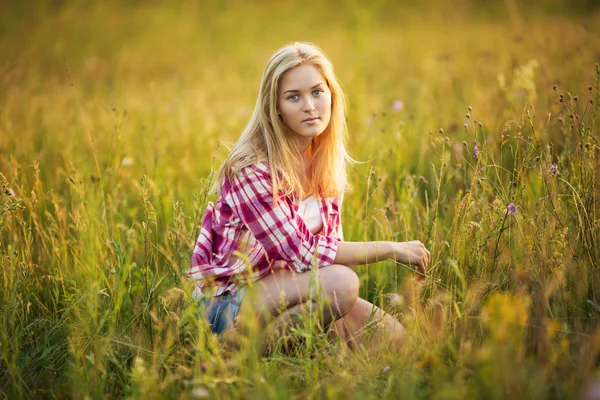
column 357, row 253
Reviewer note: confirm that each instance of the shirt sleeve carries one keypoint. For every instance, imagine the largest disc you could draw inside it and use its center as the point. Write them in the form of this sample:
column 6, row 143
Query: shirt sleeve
column 279, row 229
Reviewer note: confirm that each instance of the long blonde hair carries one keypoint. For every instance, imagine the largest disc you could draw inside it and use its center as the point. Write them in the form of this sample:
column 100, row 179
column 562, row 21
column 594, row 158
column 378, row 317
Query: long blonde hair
column 265, row 138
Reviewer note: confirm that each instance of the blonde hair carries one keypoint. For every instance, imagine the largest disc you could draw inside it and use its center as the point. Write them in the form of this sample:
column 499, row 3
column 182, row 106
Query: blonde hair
column 265, row 138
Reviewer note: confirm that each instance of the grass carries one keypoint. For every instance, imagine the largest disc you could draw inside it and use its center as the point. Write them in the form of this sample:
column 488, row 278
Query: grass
column 110, row 122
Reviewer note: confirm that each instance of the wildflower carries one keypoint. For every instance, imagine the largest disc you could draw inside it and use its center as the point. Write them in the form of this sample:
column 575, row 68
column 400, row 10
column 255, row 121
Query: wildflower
column 199, row 392
column 512, row 209
column 397, row 105
column 475, row 151
column 386, row 368
column 554, row 87
column 396, row 299
column 10, row 192
column 554, row 169
column 441, row 131
column 470, row 108
column 127, row 161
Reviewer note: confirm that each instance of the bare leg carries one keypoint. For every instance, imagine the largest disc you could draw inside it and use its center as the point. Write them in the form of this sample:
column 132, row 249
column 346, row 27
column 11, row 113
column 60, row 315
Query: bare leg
column 282, row 294
column 366, row 324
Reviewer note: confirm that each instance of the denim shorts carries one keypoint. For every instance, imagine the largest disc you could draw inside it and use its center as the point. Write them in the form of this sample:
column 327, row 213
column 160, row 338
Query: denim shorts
column 221, row 311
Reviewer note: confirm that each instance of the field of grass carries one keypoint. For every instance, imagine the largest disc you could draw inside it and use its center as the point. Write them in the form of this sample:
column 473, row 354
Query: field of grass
column 477, row 130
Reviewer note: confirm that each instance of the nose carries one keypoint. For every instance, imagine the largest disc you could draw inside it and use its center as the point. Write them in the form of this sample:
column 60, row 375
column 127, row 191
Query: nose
column 309, row 105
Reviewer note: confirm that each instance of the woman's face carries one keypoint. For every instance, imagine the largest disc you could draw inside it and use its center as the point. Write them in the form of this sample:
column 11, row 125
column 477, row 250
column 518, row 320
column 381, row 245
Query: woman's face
column 304, row 103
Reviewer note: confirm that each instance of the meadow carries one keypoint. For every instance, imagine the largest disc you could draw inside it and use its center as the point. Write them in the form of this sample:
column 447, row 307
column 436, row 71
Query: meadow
column 476, row 130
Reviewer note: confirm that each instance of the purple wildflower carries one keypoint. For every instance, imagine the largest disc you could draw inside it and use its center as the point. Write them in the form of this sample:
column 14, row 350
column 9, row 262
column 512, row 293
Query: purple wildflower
column 475, row 151
column 396, row 299
column 11, row 192
column 386, row 368
column 397, row 105
column 512, row 209
column 554, row 169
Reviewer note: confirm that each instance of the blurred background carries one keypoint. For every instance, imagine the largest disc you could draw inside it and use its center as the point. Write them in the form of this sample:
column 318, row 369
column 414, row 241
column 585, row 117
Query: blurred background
column 176, row 76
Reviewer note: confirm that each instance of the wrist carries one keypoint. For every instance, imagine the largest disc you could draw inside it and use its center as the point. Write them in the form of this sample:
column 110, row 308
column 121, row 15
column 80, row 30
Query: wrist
column 397, row 250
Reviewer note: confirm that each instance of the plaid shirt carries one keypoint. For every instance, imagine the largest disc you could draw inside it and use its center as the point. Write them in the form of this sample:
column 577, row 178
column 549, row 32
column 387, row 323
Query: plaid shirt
column 244, row 234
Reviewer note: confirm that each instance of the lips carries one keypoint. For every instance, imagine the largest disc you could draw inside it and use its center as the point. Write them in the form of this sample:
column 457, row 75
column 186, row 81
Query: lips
column 310, row 119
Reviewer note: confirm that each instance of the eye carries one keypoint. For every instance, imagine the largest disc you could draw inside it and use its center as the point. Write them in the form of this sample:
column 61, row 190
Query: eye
column 317, row 92
column 293, row 97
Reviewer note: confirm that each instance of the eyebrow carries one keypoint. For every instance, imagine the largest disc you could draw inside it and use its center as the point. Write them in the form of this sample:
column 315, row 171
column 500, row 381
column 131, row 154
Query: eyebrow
column 296, row 90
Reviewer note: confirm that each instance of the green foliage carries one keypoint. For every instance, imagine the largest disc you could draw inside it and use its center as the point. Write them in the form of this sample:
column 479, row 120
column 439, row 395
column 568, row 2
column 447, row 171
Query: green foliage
column 111, row 120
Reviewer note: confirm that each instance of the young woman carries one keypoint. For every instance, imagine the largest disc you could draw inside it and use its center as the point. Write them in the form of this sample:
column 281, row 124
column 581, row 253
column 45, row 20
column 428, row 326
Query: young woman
column 278, row 214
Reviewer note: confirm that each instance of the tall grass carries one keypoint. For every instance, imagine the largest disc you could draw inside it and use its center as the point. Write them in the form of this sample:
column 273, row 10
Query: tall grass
column 110, row 122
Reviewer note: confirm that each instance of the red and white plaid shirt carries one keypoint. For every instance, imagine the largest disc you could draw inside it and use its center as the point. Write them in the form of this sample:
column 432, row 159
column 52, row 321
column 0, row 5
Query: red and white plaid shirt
column 244, row 234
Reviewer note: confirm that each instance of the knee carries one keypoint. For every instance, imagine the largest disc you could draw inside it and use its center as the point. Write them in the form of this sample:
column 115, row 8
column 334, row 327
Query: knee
column 341, row 287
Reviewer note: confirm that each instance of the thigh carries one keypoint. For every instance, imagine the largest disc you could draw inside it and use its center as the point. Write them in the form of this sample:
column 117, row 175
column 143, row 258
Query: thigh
column 284, row 289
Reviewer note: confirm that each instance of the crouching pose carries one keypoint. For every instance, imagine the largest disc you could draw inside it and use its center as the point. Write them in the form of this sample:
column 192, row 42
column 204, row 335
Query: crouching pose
column 275, row 235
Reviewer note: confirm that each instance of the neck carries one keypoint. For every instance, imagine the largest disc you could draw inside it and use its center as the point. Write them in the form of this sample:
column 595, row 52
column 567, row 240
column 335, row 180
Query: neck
column 303, row 145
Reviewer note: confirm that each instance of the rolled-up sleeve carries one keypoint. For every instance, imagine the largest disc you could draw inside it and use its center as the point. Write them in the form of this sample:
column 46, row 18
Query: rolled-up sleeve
column 278, row 228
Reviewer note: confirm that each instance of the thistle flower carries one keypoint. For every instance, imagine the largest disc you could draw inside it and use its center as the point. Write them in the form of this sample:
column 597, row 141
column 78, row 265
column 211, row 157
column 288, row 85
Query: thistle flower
column 512, row 209
column 475, row 151
column 397, row 105
column 554, row 169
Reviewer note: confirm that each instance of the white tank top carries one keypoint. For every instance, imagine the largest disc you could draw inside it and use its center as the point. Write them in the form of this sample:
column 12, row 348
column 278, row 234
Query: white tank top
column 310, row 211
